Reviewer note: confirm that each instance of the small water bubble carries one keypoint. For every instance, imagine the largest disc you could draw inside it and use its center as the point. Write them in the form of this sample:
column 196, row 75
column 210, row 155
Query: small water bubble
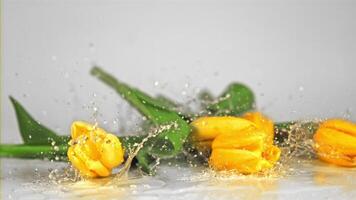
column 56, row 148
column 301, row 88
column 186, row 85
column 105, row 122
column 56, row 158
column 156, row 83
column 30, row 136
column 184, row 92
column 54, row 58
column 53, row 143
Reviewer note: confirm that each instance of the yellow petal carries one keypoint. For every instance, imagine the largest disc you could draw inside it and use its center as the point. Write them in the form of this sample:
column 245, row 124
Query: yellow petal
column 207, row 128
column 331, row 155
column 250, row 139
column 111, row 151
column 340, row 141
column 80, row 128
column 272, row 154
column 78, row 164
column 263, row 123
column 341, row 125
column 83, row 128
column 242, row 161
column 93, row 165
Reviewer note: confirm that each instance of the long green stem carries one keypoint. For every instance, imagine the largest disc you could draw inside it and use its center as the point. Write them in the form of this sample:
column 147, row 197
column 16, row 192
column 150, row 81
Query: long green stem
column 57, row 153
column 34, row 151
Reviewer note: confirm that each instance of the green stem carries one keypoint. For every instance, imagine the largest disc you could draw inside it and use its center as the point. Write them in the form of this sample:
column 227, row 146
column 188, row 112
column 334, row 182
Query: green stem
column 34, row 151
column 57, row 153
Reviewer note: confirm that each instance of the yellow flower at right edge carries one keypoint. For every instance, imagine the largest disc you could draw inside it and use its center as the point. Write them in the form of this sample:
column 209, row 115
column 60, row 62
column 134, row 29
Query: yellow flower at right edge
column 335, row 142
column 243, row 144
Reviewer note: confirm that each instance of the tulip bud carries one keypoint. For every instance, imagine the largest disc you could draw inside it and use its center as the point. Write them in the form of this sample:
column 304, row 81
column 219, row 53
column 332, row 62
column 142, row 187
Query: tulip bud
column 93, row 151
column 335, row 142
column 246, row 151
column 241, row 144
column 206, row 129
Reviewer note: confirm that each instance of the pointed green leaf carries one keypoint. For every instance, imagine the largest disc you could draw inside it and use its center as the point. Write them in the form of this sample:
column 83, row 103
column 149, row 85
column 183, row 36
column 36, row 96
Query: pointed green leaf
column 32, row 132
column 235, row 100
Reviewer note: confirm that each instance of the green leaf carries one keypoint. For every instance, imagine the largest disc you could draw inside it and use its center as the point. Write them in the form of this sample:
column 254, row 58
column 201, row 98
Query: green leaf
column 172, row 129
column 166, row 102
column 32, row 132
column 235, row 100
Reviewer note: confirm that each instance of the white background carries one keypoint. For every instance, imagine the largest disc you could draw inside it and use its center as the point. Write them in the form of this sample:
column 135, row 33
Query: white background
column 298, row 56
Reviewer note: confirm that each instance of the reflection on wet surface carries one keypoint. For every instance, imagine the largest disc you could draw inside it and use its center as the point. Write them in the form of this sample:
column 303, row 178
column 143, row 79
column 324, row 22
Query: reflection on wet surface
column 28, row 179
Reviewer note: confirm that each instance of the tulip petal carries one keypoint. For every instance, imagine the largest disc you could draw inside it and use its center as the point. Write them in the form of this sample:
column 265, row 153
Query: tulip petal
column 263, row 123
column 340, row 141
column 272, row 154
column 80, row 128
column 341, row 125
column 241, row 160
column 207, row 128
column 251, row 139
column 331, row 155
column 111, row 151
column 93, row 165
column 79, row 164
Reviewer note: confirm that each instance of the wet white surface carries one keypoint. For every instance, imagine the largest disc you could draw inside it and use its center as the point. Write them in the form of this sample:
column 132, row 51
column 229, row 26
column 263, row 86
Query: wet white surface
column 28, row 179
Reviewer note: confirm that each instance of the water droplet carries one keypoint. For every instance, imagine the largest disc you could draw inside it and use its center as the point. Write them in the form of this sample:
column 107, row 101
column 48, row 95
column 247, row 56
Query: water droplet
column 56, row 148
column 95, row 109
column 301, row 88
column 156, row 83
column 30, row 136
column 54, row 58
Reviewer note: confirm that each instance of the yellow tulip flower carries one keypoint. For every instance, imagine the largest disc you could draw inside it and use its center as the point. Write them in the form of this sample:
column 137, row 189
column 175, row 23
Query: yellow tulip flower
column 93, row 151
column 335, row 142
column 241, row 144
column 206, row 129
